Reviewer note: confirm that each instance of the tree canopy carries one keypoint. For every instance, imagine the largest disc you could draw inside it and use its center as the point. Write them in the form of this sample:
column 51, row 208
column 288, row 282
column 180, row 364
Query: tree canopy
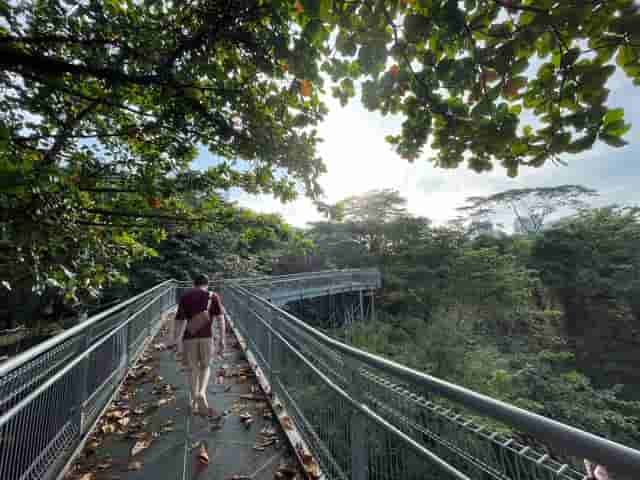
column 531, row 207
column 104, row 105
column 148, row 82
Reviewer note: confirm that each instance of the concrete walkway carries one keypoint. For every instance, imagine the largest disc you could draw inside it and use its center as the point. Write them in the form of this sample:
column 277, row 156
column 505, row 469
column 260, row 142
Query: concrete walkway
column 148, row 431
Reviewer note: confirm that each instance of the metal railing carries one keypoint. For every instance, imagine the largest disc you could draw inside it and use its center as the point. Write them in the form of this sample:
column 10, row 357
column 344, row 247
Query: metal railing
column 369, row 418
column 282, row 289
column 52, row 395
column 363, row 416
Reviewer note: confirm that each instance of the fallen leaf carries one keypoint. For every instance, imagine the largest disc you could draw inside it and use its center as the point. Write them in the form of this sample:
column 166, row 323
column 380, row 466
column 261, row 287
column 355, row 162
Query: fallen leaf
column 108, row 428
column 139, row 446
column 135, row 466
column 124, row 421
column 115, row 414
column 87, row 476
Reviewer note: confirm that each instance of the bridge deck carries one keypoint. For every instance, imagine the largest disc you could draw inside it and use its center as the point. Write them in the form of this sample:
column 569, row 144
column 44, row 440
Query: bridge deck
column 151, row 411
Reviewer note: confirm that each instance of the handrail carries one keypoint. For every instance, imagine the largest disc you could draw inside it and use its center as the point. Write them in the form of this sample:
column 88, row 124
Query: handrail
column 570, row 440
column 298, row 276
column 39, row 349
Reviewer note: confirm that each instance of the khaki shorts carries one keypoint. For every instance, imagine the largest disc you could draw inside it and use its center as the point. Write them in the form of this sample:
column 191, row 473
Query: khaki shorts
column 197, row 352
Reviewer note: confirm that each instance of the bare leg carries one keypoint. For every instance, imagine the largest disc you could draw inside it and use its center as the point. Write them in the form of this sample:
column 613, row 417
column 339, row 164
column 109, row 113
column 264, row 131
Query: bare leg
column 193, row 377
column 204, row 374
column 194, row 382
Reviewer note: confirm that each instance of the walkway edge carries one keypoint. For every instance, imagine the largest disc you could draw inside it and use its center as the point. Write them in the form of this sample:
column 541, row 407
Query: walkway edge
column 292, row 434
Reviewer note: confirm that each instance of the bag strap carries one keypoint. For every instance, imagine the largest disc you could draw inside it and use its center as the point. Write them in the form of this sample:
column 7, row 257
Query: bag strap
column 209, row 301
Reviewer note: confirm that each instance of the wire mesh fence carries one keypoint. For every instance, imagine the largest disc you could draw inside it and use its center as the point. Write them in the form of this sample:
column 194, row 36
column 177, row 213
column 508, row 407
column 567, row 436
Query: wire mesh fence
column 323, row 382
column 52, row 395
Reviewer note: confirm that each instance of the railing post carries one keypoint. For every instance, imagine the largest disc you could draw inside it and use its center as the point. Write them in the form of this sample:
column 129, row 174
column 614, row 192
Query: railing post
column 359, row 451
column 83, row 394
column 373, row 305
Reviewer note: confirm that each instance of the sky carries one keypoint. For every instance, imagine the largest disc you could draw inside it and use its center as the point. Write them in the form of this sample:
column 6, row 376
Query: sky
column 358, row 160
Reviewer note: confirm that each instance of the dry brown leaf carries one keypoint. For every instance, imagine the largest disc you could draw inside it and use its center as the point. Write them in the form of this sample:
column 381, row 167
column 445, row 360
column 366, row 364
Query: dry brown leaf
column 124, row 421
column 108, row 428
column 116, row 414
column 93, row 444
column 135, row 466
column 88, row 476
column 139, row 446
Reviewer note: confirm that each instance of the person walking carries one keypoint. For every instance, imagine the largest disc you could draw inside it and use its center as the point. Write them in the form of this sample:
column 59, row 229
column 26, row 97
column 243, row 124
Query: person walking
column 198, row 311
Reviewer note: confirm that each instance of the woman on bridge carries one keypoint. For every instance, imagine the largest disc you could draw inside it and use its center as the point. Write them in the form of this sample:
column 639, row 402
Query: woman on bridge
column 200, row 312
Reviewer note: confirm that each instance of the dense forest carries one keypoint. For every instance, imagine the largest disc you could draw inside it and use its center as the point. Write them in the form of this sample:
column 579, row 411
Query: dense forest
column 546, row 318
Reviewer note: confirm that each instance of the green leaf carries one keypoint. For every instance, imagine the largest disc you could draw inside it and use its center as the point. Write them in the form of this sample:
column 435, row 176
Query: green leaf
column 626, row 56
column 324, row 10
column 520, row 66
column 5, row 133
column 570, row 57
column 581, row 144
column 612, row 140
column 519, row 147
column 617, row 128
column 613, row 115
column 483, row 108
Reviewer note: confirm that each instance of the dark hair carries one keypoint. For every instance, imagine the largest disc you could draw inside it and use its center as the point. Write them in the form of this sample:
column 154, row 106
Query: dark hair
column 200, row 280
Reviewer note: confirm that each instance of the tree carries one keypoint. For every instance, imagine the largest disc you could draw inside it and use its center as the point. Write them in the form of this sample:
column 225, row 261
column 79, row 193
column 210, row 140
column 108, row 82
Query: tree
column 248, row 245
column 530, row 206
column 461, row 74
column 103, row 105
column 591, row 262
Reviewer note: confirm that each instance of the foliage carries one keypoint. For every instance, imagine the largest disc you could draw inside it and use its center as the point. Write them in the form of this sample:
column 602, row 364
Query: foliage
column 490, row 286
column 596, row 253
column 145, row 79
column 488, row 312
column 462, row 74
column 425, row 268
column 550, row 383
column 104, row 105
column 530, row 206
column 247, row 246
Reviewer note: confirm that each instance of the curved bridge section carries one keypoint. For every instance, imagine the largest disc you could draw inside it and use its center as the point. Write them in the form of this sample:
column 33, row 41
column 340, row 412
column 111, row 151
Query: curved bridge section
column 284, row 289
column 361, row 416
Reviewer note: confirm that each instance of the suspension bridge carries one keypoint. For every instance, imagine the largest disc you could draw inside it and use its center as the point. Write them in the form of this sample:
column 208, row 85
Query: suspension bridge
column 346, row 414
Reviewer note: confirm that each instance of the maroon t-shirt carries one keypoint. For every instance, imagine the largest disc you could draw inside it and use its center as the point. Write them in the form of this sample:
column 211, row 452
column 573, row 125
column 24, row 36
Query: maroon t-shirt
column 194, row 301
